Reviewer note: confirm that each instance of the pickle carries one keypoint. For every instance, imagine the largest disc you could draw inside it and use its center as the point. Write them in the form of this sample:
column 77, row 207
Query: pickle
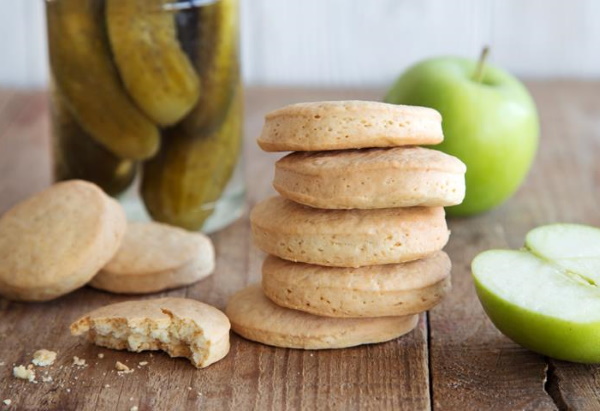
column 78, row 156
column 85, row 75
column 181, row 185
column 155, row 70
column 216, row 59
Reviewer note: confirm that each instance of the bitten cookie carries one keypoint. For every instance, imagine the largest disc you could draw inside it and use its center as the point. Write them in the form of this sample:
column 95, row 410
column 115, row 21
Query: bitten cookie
column 373, row 291
column 347, row 238
column 57, row 240
column 155, row 257
column 255, row 317
column 341, row 125
column 371, row 178
column 179, row 326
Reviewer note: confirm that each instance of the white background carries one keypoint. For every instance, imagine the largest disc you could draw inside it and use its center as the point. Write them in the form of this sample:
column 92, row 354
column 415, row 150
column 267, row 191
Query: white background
column 363, row 42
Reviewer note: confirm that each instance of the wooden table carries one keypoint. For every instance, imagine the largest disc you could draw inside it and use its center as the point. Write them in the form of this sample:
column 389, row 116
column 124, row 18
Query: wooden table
column 454, row 360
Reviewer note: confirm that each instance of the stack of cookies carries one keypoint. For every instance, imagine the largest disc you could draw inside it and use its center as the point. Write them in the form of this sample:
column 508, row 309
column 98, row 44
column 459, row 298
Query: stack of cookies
column 355, row 239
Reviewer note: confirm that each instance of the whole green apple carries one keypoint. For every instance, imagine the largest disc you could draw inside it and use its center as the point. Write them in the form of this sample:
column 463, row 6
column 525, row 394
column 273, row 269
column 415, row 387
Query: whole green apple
column 490, row 122
column 537, row 299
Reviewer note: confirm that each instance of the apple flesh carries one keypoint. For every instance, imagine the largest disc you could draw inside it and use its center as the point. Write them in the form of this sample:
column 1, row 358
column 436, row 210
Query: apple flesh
column 537, row 302
column 574, row 247
column 490, row 123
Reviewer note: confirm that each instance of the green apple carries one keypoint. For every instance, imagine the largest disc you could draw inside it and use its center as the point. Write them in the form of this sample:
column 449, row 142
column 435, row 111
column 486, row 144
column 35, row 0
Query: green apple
column 490, row 122
column 545, row 297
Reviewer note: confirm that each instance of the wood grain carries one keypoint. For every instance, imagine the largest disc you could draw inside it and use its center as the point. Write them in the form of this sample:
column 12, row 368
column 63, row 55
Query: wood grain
column 456, row 360
column 571, row 194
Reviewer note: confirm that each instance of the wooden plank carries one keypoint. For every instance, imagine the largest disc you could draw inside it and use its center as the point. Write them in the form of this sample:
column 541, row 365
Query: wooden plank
column 574, row 386
column 473, row 365
column 354, row 43
column 574, row 190
column 393, row 375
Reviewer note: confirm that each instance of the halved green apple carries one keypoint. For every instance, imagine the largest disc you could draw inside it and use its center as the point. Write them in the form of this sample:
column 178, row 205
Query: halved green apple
column 545, row 297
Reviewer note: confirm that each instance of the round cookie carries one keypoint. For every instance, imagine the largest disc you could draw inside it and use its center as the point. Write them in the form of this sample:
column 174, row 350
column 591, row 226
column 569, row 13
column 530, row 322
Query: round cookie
column 372, row 291
column 181, row 327
column 371, row 178
column 57, row 240
column 255, row 317
column 155, row 257
column 341, row 125
column 347, row 238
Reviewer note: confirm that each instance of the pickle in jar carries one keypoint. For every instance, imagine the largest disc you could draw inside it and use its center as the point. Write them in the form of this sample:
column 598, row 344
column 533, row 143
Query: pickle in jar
column 155, row 70
column 181, row 185
column 214, row 48
column 85, row 75
column 78, row 156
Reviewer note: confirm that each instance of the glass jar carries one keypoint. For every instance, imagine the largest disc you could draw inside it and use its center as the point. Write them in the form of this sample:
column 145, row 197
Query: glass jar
column 146, row 101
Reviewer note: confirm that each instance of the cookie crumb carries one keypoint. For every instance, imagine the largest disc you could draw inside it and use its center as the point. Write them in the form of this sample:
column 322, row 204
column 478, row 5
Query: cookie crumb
column 106, row 386
column 24, row 373
column 122, row 368
column 7, row 402
column 1, row 363
column 189, row 388
column 43, row 357
column 80, row 362
column 100, row 355
column 134, row 408
column 142, row 363
column 47, row 379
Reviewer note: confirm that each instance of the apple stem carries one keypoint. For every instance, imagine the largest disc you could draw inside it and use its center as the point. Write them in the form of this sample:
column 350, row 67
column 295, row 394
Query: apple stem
column 481, row 64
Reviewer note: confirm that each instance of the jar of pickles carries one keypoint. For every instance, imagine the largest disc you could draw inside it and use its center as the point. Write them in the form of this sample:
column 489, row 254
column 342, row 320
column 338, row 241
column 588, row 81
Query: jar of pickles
column 147, row 101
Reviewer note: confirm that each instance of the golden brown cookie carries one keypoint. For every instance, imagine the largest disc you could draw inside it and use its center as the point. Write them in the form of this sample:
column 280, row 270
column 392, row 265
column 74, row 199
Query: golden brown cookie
column 347, row 238
column 57, row 240
column 155, row 257
column 181, row 327
column 372, row 291
column 371, row 178
column 341, row 125
column 255, row 317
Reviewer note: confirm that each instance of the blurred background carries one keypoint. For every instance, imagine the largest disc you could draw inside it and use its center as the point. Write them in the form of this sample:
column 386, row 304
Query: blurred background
column 358, row 43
